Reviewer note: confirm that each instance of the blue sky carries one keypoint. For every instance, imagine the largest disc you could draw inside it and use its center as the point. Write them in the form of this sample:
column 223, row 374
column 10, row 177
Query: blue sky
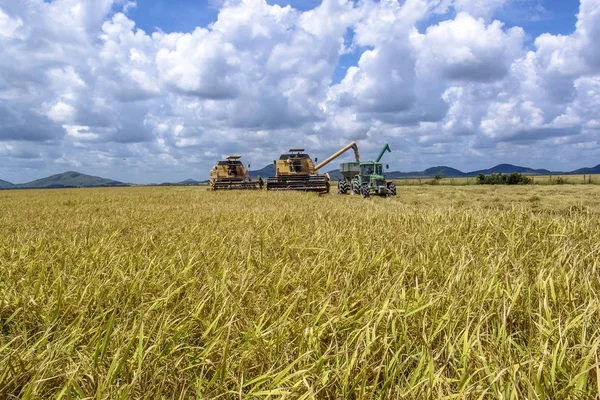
column 161, row 90
column 535, row 16
column 173, row 15
column 185, row 15
column 542, row 16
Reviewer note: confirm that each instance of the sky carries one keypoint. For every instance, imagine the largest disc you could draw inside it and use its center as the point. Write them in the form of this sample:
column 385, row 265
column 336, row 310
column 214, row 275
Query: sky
column 159, row 90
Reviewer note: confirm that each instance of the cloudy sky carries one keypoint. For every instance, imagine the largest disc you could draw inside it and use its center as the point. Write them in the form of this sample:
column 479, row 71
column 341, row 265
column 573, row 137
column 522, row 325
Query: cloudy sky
column 158, row 90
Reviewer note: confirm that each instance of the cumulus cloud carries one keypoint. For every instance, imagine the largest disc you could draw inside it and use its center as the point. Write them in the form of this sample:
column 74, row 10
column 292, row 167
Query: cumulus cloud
column 201, row 65
column 9, row 26
column 465, row 49
column 479, row 8
column 544, row 96
column 82, row 86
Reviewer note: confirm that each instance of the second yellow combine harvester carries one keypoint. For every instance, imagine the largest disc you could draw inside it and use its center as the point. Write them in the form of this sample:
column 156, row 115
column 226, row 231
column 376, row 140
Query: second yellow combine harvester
column 296, row 171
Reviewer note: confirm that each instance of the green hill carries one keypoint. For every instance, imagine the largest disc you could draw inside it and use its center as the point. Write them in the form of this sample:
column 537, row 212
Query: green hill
column 593, row 170
column 70, row 179
column 446, row 172
column 187, row 182
column 265, row 172
column 6, row 185
column 509, row 168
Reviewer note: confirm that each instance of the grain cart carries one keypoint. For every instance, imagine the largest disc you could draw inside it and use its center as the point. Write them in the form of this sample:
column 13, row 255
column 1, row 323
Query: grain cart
column 366, row 178
column 296, row 171
column 231, row 174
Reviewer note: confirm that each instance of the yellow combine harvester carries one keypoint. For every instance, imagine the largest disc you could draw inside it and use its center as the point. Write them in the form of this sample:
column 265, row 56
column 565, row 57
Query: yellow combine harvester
column 296, row 171
column 232, row 175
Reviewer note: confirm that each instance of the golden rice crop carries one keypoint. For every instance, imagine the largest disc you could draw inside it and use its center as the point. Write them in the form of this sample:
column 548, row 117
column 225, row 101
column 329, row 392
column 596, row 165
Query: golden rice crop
column 441, row 292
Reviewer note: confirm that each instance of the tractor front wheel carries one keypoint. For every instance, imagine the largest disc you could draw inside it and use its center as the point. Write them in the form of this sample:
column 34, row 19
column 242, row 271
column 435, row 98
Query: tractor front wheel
column 392, row 188
column 365, row 191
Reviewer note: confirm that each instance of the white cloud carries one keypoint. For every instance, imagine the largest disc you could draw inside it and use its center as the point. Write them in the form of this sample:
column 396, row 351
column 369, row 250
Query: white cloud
column 128, row 6
column 465, row 49
column 8, row 26
column 64, row 160
column 479, row 8
column 61, row 112
column 201, row 64
column 384, row 79
column 80, row 133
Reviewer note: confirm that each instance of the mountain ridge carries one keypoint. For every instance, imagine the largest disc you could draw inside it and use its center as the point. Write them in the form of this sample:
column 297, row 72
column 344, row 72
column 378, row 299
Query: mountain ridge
column 449, row 172
column 265, row 172
column 73, row 179
column 6, row 184
column 68, row 179
column 592, row 170
column 187, row 182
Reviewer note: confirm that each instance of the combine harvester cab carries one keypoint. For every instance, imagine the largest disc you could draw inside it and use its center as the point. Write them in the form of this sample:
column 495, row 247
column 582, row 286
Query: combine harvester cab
column 231, row 174
column 366, row 178
column 296, row 171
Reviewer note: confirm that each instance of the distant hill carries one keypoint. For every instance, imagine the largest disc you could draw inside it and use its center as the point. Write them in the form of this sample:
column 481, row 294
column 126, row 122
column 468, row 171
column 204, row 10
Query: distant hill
column 449, row 172
column 6, row 185
column 265, row 172
column 444, row 171
column 335, row 174
column 593, row 170
column 509, row 168
column 69, row 179
column 187, row 182
column 191, row 182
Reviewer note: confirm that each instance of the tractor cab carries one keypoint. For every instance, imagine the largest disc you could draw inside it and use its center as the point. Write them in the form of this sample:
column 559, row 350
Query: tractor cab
column 371, row 170
column 295, row 162
column 233, row 164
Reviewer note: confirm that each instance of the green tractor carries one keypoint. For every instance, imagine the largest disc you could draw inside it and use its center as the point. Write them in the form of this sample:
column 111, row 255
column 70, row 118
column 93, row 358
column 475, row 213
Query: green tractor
column 366, row 178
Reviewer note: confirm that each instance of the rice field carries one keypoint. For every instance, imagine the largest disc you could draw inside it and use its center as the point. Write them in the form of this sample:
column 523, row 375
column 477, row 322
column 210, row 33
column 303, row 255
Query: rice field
column 589, row 179
column 441, row 292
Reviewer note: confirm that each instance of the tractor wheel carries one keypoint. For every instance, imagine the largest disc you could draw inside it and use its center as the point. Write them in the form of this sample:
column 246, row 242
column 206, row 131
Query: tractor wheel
column 342, row 186
column 365, row 191
column 355, row 186
column 392, row 188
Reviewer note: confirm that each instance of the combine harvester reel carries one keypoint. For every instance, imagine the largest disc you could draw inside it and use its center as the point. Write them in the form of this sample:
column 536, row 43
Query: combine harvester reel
column 231, row 174
column 366, row 178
